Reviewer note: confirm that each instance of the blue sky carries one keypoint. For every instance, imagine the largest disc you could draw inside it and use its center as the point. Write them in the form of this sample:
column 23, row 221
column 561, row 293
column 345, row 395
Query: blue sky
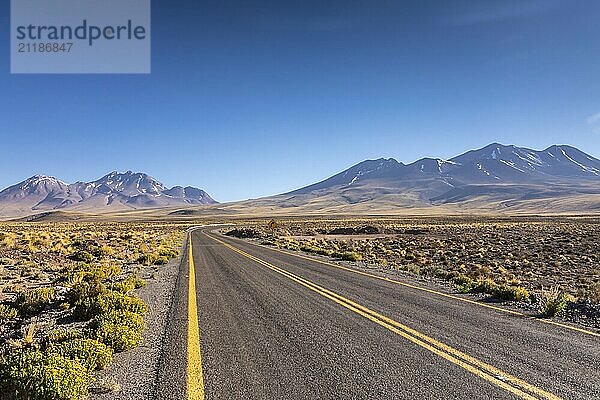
column 252, row 98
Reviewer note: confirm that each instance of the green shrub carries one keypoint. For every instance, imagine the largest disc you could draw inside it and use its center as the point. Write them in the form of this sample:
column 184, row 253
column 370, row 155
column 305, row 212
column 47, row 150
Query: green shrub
column 7, row 312
column 121, row 287
column 461, row 279
column 466, row 288
column 463, row 283
column 153, row 259
column 82, row 256
column 146, row 259
column 287, row 244
column 84, row 272
column 32, row 375
column 513, row 293
column 90, row 353
column 127, row 285
column 348, row 256
column 34, row 301
column 119, row 317
column 161, row 260
column 120, row 338
column 440, row 273
column 552, row 302
column 500, row 291
column 62, row 335
column 86, row 290
column 90, row 307
column 314, row 249
column 485, row 286
column 103, row 251
column 121, row 329
column 169, row 253
column 308, row 248
column 138, row 283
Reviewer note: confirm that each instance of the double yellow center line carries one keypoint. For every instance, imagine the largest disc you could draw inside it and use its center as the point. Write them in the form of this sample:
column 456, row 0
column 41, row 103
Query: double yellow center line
column 491, row 374
column 435, row 292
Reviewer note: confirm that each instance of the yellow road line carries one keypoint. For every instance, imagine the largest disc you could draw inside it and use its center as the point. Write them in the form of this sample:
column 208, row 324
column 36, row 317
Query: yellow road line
column 382, row 278
column 485, row 371
column 195, row 381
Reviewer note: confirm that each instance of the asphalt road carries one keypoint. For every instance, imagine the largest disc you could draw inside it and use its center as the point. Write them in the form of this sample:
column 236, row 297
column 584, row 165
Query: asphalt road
column 256, row 323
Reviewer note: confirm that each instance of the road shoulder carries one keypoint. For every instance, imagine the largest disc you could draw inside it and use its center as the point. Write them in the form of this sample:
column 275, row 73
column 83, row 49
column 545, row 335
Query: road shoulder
column 133, row 374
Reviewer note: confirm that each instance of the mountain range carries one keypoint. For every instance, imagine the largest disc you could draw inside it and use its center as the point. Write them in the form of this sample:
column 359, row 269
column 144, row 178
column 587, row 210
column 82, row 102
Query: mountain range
column 493, row 164
column 495, row 178
column 114, row 192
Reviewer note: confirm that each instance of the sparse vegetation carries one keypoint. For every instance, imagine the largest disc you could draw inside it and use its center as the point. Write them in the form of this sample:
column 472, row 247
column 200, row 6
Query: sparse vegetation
column 7, row 312
column 348, row 256
column 120, row 329
column 106, row 302
column 33, row 374
column 34, row 301
column 88, row 352
column 62, row 334
column 552, row 302
column 68, row 301
column 129, row 284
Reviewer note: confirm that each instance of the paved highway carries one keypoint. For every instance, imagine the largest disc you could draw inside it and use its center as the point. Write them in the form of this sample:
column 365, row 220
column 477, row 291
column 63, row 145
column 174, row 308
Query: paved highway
column 250, row 322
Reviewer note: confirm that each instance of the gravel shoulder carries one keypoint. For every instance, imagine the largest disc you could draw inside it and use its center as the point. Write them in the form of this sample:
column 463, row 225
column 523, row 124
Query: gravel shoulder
column 132, row 375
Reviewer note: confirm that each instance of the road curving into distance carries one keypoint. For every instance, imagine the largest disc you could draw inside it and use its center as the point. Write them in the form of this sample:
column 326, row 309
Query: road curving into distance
column 250, row 322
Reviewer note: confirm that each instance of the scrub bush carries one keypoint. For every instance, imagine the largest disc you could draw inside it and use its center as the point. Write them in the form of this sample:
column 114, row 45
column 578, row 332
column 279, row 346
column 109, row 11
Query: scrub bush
column 348, row 256
column 120, row 329
column 28, row 374
column 90, row 353
column 7, row 312
column 34, row 301
column 552, row 302
column 106, row 302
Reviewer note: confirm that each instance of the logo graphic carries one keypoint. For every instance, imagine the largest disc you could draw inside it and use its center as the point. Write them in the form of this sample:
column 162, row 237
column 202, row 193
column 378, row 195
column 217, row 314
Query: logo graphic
column 80, row 36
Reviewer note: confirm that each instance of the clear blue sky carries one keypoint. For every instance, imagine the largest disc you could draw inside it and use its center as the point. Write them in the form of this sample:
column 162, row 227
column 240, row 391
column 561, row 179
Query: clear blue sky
column 252, row 98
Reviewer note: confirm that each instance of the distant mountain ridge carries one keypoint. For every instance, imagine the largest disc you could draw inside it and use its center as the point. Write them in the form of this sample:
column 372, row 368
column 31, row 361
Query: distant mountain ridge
column 493, row 164
column 113, row 191
column 494, row 179
column 495, row 176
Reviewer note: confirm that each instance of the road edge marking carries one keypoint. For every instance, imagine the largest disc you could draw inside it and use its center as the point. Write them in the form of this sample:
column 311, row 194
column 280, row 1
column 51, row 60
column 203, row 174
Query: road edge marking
column 463, row 360
column 195, row 380
column 431, row 291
